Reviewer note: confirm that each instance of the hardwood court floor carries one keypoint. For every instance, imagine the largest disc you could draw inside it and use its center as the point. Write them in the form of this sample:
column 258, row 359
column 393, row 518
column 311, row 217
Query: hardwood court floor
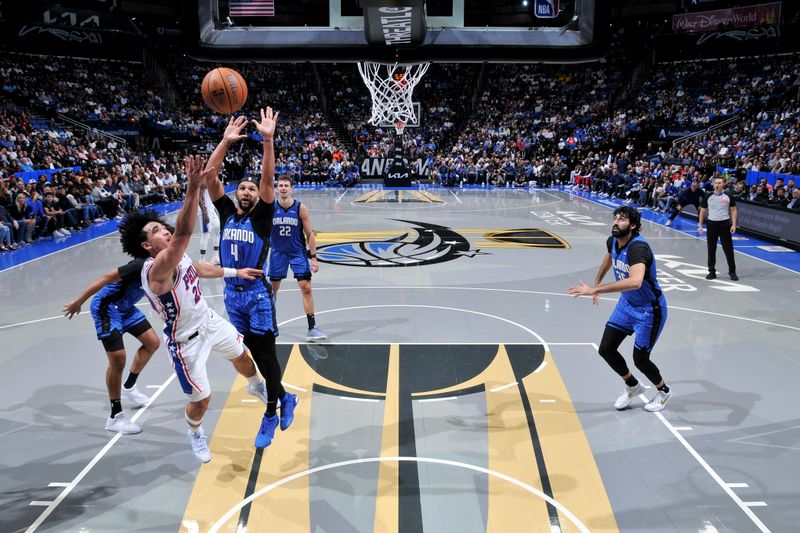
column 460, row 389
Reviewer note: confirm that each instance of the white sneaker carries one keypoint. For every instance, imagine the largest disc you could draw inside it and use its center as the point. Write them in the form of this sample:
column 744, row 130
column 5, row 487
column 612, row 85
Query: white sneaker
column 199, row 445
column 659, row 402
column 65, row 231
column 625, row 399
column 315, row 334
column 259, row 390
column 133, row 398
column 668, row 222
column 122, row 424
column 57, row 233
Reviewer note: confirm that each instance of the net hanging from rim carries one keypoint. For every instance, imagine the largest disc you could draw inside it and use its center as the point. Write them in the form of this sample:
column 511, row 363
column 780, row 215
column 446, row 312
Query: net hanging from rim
column 391, row 87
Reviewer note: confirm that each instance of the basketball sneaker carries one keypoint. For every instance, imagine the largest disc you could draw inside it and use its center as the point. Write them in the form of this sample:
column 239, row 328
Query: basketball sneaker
column 133, row 398
column 122, row 424
column 315, row 334
column 259, row 391
column 267, row 431
column 625, row 399
column 199, row 445
column 659, row 402
column 288, row 403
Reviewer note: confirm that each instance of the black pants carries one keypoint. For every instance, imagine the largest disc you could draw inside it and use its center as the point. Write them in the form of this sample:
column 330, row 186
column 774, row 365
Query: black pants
column 720, row 229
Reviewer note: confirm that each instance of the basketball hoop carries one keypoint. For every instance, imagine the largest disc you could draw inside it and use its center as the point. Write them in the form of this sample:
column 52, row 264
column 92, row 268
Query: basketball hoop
column 391, row 87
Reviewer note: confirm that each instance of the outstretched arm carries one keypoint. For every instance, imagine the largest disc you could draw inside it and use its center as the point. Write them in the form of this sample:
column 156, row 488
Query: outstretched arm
column 233, row 133
column 74, row 307
column 208, row 271
column 266, row 187
column 168, row 258
column 310, row 238
column 632, row 282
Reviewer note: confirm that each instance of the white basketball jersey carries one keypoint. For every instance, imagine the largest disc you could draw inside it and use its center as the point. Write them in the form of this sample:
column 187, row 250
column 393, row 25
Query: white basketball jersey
column 183, row 309
column 208, row 205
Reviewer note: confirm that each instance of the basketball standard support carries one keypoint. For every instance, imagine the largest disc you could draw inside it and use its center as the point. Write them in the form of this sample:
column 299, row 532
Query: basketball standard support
column 391, row 87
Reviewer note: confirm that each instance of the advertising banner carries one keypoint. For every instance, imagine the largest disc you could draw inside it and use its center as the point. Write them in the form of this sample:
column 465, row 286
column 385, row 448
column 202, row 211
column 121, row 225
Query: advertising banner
column 738, row 17
column 377, row 167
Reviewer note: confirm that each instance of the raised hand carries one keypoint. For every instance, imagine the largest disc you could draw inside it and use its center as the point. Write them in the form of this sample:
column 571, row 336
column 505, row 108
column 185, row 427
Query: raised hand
column 268, row 122
column 195, row 175
column 233, row 132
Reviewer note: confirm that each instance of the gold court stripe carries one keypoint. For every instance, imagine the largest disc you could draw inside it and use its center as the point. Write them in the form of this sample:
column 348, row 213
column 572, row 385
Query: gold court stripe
column 387, row 502
column 221, row 483
column 287, row 508
column 574, row 477
column 510, row 452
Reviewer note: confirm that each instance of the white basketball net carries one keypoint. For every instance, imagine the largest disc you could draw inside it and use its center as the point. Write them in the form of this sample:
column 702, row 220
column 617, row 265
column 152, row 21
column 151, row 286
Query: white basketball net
column 391, row 87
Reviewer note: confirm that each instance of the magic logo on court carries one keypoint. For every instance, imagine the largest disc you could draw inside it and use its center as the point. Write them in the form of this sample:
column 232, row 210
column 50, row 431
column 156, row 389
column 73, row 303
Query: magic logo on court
column 423, row 243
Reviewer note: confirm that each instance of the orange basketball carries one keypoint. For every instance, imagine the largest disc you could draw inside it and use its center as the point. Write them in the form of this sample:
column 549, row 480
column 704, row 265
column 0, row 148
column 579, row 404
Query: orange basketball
column 224, row 90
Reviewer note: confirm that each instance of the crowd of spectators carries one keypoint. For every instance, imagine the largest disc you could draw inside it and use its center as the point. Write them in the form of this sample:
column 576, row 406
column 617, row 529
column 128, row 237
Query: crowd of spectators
column 501, row 125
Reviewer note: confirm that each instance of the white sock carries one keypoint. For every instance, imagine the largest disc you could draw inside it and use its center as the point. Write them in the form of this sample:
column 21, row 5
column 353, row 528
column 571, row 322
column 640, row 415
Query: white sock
column 255, row 379
column 194, row 425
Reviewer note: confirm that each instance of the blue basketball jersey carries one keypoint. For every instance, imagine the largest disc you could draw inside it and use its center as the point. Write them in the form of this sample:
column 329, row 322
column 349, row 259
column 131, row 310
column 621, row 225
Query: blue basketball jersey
column 243, row 244
column 650, row 291
column 125, row 293
column 287, row 228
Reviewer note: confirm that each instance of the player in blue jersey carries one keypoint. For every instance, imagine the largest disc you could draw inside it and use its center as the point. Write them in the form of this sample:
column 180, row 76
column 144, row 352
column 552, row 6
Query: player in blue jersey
column 641, row 310
column 291, row 230
column 246, row 227
column 114, row 313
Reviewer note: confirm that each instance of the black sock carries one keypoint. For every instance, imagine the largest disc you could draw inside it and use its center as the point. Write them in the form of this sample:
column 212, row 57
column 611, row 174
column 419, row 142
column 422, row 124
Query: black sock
column 202, row 252
column 663, row 388
column 311, row 321
column 131, row 381
column 631, row 381
column 116, row 408
column 272, row 408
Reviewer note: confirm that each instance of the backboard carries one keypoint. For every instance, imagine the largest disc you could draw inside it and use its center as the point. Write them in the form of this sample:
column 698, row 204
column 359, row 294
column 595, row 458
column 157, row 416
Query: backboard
column 439, row 30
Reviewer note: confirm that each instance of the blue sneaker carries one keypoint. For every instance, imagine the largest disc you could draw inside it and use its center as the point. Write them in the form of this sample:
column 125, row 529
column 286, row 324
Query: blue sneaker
column 267, row 431
column 288, row 403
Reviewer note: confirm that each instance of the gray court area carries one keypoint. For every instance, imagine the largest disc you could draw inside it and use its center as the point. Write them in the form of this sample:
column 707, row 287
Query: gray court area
column 723, row 456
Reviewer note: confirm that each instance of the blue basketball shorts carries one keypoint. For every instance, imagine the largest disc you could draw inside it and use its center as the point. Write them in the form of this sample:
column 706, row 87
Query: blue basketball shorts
column 279, row 263
column 108, row 318
column 251, row 309
column 646, row 322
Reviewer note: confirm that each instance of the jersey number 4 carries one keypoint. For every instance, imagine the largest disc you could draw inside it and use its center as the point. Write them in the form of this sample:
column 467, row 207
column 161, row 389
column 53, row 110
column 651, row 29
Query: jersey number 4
column 235, row 252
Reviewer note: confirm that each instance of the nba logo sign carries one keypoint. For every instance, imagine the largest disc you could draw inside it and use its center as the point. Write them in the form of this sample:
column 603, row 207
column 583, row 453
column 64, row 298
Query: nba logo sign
column 545, row 9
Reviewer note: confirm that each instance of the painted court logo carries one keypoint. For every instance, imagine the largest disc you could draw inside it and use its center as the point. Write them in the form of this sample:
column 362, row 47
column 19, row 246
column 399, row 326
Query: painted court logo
column 424, row 244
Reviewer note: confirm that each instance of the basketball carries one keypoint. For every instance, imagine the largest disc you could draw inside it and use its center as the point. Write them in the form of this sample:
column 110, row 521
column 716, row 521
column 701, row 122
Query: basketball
column 224, row 90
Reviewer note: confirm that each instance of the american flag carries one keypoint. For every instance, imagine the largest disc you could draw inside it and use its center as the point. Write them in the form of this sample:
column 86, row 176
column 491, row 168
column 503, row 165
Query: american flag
column 252, row 8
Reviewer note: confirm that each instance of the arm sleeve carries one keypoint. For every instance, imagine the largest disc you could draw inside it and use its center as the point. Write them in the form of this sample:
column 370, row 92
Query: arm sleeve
column 262, row 219
column 132, row 270
column 639, row 252
column 704, row 201
column 609, row 243
column 733, row 200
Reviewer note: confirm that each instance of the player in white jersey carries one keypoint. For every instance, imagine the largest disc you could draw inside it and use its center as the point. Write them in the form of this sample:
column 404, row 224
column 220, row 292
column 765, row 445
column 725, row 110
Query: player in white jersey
column 192, row 330
column 209, row 224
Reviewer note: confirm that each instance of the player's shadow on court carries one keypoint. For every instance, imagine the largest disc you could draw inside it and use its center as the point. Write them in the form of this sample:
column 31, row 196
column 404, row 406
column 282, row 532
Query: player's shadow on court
column 365, row 329
column 732, row 406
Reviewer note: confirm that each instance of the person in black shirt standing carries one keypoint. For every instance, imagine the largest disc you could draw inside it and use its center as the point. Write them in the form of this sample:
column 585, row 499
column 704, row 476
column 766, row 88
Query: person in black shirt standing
column 721, row 211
